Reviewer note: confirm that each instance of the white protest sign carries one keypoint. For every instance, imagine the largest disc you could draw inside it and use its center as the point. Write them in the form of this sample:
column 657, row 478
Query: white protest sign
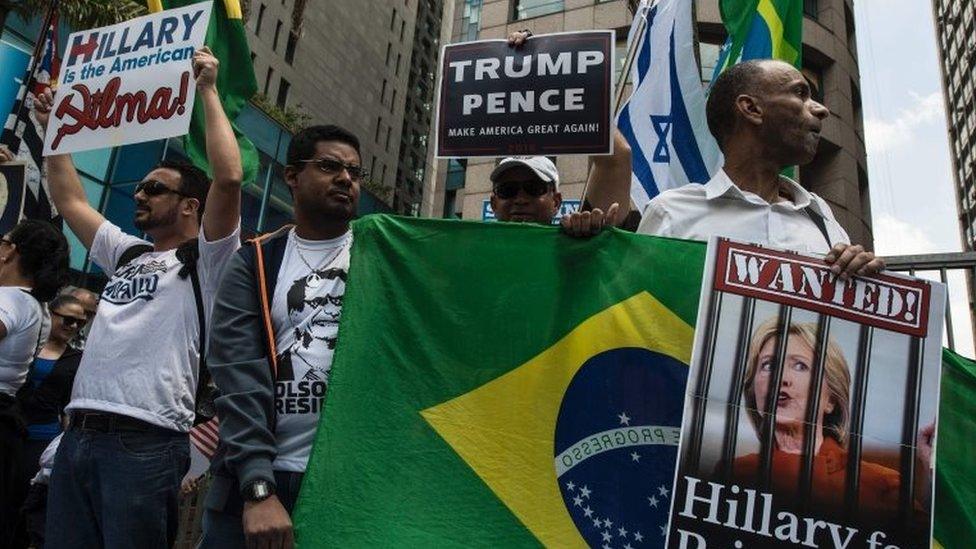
column 128, row 83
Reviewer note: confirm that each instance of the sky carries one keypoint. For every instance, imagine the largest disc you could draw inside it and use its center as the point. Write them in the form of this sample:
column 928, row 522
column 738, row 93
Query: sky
column 909, row 168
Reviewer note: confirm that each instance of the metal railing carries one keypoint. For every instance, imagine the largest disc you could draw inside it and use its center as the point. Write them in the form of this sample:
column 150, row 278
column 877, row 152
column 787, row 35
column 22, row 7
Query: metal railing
column 943, row 264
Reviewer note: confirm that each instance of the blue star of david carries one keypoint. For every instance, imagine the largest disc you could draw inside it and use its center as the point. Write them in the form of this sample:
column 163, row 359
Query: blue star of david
column 662, row 127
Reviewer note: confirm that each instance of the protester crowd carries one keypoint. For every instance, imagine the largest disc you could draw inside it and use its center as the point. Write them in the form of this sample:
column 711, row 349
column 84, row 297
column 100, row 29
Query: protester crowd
column 96, row 403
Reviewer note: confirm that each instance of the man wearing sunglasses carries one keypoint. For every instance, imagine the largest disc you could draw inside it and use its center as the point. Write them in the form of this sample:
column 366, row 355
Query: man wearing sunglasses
column 275, row 325
column 117, row 473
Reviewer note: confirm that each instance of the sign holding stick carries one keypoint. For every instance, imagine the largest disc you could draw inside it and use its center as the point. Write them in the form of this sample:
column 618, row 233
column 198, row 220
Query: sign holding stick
column 548, row 97
column 128, row 83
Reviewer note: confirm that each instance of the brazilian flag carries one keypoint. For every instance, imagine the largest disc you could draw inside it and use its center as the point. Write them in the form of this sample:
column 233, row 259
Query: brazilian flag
column 236, row 83
column 955, row 484
column 503, row 385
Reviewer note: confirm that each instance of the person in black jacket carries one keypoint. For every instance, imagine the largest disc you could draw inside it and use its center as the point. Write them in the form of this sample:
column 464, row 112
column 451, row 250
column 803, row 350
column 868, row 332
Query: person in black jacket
column 48, row 387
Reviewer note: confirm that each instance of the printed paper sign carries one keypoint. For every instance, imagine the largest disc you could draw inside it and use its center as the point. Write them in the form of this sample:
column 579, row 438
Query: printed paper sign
column 128, row 83
column 811, row 406
column 549, row 97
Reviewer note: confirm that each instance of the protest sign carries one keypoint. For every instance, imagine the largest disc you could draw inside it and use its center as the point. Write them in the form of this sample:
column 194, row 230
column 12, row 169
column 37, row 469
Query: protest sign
column 821, row 438
column 127, row 83
column 13, row 176
column 567, row 207
column 549, row 97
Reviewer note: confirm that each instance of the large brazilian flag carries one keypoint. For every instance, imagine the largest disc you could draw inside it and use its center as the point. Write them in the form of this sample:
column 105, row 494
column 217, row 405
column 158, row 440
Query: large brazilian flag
column 502, row 385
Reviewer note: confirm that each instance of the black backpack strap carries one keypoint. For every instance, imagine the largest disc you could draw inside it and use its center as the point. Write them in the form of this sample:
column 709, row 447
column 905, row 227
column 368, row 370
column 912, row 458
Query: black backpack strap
column 189, row 253
column 818, row 220
column 131, row 253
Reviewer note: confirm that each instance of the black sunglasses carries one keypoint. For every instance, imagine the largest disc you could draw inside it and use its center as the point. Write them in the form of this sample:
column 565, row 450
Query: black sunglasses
column 71, row 321
column 510, row 189
column 152, row 187
column 330, row 166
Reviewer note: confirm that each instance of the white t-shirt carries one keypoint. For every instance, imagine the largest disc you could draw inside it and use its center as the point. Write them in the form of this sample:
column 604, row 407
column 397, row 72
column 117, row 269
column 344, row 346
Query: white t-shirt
column 305, row 313
column 720, row 208
column 143, row 351
column 28, row 325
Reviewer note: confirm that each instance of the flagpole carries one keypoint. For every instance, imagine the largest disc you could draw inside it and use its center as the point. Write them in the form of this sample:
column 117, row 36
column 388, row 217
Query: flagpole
column 35, row 59
column 641, row 12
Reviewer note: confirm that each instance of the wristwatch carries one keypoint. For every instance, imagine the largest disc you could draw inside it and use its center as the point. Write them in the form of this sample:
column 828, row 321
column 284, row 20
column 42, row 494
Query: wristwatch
column 257, row 490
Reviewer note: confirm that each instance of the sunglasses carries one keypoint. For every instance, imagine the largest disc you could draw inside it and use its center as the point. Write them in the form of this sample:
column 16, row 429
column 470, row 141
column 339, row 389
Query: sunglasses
column 510, row 189
column 330, row 166
column 152, row 187
column 71, row 321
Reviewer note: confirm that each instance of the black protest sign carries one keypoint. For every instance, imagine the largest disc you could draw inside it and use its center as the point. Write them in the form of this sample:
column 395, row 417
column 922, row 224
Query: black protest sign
column 550, row 96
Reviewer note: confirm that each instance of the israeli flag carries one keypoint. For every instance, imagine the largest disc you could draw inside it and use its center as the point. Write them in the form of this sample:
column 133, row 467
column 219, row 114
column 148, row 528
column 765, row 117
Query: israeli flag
column 664, row 118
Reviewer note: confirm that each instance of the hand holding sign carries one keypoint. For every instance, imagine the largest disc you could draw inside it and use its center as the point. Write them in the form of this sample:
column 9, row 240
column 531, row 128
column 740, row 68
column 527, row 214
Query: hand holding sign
column 43, row 104
column 205, row 67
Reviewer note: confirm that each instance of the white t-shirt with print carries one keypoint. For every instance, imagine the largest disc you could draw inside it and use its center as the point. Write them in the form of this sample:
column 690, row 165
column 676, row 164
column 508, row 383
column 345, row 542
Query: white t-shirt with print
column 305, row 314
column 143, row 351
column 28, row 325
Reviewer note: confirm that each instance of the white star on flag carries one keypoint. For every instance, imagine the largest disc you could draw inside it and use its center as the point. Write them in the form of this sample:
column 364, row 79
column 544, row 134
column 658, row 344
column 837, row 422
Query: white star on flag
column 634, row 456
column 663, row 491
column 585, row 492
column 570, row 486
column 622, row 532
column 624, row 420
column 597, row 522
column 652, row 501
column 638, row 536
column 587, row 511
column 627, row 546
column 607, row 523
column 664, row 530
column 577, row 501
column 607, row 536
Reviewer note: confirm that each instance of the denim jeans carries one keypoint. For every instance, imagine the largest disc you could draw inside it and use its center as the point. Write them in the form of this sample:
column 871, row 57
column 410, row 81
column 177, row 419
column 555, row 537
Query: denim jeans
column 222, row 525
column 117, row 489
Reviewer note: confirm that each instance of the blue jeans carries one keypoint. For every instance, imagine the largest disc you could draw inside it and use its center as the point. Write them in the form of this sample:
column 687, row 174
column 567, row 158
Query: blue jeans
column 222, row 526
column 116, row 489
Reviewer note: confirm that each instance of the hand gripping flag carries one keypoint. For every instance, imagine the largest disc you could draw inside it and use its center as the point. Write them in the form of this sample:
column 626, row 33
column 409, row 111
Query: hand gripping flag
column 235, row 81
column 664, row 119
column 528, row 390
column 23, row 137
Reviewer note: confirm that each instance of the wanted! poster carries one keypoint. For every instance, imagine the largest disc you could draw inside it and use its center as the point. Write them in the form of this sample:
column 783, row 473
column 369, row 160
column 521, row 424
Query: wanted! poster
column 811, row 407
column 550, row 96
column 128, row 83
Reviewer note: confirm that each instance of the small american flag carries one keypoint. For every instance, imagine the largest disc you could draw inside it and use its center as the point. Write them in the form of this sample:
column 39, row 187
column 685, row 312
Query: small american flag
column 205, row 436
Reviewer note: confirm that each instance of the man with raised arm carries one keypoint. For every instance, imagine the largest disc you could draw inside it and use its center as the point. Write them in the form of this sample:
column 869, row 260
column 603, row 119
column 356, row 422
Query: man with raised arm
column 117, row 473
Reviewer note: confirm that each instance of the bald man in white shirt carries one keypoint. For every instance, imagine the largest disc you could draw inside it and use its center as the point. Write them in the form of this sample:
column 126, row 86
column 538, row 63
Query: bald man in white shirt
column 764, row 118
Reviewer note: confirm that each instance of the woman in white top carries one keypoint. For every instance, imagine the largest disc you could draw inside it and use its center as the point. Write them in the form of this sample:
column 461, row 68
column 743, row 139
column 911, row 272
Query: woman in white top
column 33, row 265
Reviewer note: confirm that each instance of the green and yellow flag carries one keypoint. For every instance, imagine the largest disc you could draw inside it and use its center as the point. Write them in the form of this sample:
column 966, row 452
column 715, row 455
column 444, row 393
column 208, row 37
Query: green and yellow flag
column 955, row 482
column 761, row 29
column 236, row 83
column 502, row 385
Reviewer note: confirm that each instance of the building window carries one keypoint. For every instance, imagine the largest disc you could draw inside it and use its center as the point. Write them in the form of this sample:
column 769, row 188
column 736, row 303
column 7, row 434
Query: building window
column 389, row 49
column 403, row 26
column 383, row 92
column 290, row 47
column 814, row 77
column 379, row 124
column 283, row 88
column 849, row 25
column 397, row 71
column 470, row 20
column 253, row 57
column 526, row 9
column 267, row 80
column 393, row 20
column 393, row 100
column 274, row 45
column 709, row 60
column 257, row 26
column 811, row 8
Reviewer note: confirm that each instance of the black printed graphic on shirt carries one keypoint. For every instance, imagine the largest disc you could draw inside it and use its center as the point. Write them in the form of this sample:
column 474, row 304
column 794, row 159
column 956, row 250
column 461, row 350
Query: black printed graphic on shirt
column 132, row 282
column 314, row 305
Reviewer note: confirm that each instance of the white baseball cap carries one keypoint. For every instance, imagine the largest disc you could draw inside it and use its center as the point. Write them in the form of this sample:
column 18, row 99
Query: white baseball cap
column 541, row 166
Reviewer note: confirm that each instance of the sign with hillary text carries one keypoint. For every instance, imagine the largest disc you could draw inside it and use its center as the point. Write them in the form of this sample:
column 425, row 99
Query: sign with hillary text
column 127, row 83
column 810, row 406
column 550, row 96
